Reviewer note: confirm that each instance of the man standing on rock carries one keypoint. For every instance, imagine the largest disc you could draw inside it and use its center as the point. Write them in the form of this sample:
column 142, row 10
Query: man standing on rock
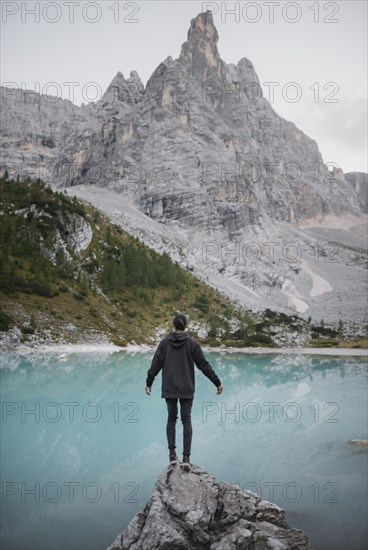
column 176, row 355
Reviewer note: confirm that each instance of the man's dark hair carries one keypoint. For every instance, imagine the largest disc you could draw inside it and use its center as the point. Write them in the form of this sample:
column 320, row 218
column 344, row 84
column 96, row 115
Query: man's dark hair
column 180, row 321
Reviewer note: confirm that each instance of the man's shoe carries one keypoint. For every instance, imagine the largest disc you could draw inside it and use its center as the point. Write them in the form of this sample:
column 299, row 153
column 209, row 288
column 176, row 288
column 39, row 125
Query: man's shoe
column 173, row 457
column 185, row 465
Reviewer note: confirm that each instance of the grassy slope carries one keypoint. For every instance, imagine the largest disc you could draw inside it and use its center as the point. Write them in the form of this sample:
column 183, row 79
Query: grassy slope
column 43, row 299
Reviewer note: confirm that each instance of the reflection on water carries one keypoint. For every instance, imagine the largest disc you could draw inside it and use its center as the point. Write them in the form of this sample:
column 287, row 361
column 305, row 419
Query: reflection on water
column 82, row 444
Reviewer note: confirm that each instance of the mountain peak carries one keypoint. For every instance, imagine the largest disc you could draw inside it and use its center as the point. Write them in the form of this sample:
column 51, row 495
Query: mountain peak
column 200, row 52
column 204, row 23
column 201, row 153
column 123, row 90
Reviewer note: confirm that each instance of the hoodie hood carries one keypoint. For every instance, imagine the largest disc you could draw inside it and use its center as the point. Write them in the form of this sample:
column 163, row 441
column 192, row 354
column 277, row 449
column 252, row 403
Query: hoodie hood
column 178, row 339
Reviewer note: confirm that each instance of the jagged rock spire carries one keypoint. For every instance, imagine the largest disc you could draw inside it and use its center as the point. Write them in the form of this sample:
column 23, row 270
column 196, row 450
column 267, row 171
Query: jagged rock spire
column 199, row 53
column 123, row 90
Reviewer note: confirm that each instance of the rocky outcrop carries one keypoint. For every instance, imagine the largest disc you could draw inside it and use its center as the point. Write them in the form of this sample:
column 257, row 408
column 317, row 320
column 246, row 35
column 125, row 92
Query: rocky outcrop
column 194, row 511
column 359, row 442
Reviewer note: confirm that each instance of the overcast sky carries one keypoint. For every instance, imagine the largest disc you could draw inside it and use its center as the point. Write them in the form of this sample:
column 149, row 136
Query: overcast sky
column 319, row 46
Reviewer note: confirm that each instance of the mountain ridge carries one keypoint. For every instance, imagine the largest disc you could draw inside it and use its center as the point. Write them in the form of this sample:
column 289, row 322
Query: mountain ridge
column 192, row 150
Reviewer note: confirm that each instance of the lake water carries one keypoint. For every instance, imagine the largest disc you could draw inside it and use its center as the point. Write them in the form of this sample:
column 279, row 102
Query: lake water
column 82, row 444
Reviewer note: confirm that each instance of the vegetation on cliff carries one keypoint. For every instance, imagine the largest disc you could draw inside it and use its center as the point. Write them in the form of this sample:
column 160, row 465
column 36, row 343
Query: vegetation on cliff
column 115, row 286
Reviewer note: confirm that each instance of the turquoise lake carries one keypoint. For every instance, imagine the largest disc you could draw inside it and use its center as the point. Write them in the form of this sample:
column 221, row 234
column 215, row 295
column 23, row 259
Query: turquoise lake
column 82, row 444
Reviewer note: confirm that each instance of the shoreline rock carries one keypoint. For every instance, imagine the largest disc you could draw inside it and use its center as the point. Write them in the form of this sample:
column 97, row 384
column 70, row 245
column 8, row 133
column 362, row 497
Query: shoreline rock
column 359, row 442
column 193, row 510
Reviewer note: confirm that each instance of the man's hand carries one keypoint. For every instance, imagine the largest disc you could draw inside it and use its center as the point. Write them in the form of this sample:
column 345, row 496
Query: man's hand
column 148, row 390
column 219, row 390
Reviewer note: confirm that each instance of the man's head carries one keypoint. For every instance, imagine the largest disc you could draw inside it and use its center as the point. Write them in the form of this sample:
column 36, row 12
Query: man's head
column 180, row 321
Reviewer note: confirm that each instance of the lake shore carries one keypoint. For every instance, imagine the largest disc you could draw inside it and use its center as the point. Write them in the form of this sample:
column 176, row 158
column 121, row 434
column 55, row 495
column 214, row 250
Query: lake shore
column 144, row 348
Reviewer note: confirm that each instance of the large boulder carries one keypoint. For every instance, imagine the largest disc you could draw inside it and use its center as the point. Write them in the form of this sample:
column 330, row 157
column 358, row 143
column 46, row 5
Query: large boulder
column 194, row 511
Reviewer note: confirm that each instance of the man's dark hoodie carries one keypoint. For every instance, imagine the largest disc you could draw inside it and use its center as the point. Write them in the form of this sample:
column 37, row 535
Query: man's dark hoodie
column 176, row 355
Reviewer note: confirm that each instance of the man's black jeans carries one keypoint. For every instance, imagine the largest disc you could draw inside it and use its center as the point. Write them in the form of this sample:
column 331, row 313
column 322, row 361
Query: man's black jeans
column 185, row 414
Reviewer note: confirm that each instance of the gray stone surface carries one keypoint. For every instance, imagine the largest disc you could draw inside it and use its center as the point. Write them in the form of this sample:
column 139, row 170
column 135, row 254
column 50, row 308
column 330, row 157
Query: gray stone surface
column 199, row 142
column 194, row 511
column 359, row 181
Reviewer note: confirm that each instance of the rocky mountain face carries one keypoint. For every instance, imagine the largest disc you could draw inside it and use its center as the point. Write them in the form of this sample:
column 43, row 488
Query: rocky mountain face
column 193, row 510
column 201, row 153
column 359, row 181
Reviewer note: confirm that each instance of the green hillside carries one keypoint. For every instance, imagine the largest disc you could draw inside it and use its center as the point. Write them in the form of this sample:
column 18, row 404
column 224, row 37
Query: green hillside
column 115, row 287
